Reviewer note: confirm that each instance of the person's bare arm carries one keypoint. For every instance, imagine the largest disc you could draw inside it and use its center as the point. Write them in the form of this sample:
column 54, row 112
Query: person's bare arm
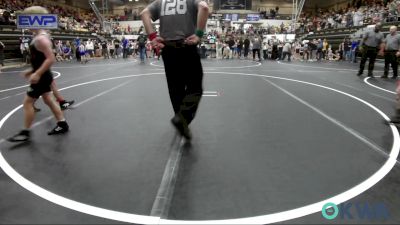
column 202, row 17
column 146, row 18
column 43, row 45
column 382, row 47
column 148, row 26
column 398, row 52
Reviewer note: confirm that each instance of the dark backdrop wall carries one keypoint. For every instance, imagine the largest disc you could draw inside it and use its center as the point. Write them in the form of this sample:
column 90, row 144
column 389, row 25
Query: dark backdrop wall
column 232, row 4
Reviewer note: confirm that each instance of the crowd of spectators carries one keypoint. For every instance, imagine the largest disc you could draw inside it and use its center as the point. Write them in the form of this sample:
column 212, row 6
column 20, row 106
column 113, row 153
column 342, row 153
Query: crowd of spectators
column 69, row 18
column 271, row 14
column 85, row 50
column 356, row 13
column 284, row 28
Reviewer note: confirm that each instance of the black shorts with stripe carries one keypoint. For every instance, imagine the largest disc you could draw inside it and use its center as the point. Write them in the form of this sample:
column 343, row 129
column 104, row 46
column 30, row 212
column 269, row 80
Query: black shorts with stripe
column 42, row 87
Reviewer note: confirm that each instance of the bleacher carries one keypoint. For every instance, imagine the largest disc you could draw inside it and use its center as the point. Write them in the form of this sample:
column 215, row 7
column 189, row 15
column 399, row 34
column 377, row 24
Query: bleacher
column 336, row 36
column 10, row 36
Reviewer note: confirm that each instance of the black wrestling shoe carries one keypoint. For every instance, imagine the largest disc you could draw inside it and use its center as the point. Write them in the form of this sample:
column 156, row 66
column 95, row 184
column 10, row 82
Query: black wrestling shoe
column 22, row 136
column 396, row 118
column 359, row 73
column 61, row 128
column 66, row 104
column 182, row 127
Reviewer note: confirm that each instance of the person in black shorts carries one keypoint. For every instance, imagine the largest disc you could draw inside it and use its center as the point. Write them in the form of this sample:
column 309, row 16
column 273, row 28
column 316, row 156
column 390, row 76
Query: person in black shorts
column 64, row 104
column 116, row 44
column 181, row 29
column 41, row 79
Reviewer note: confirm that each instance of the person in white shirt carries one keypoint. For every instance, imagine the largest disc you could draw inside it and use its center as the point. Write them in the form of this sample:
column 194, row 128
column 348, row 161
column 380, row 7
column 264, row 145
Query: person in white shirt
column 358, row 17
column 265, row 50
column 82, row 52
column 287, row 51
column 24, row 47
column 90, row 48
column 112, row 48
column 218, row 47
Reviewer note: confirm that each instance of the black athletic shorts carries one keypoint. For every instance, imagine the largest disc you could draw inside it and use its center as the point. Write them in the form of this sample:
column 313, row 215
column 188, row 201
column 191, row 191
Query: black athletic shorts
column 42, row 87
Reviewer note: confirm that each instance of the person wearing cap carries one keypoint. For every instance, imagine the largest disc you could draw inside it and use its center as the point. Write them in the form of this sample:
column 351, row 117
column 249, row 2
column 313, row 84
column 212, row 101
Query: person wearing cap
column 142, row 39
column 390, row 49
column 181, row 29
column 41, row 79
column 372, row 39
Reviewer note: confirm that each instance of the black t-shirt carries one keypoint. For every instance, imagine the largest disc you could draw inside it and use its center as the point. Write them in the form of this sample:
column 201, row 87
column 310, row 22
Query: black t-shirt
column 347, row 46
column 246, row 43
column 312, row 46
column 116, row 43
column 142, row 41
column 240, row 44
column 104, row 45
column 231, row 43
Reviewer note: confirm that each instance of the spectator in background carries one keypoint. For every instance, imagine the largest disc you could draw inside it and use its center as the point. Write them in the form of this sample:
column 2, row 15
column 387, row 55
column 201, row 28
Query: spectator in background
column 358, row 17
column 346, row 50
column 306, row 50
column 142, row 39
column 280, row 50
column 104, row 50
column 287, row 51
column 125, row 47
column 265, row 50
column 90, row 48
column 274, row 52
column 148, row 49
column 354, row 48
column 225, row 51
column 256, row 48
column 82, row 53
column 239, row 47
column 246, row 47
column 5, row 19
column 77, row 43
column 218, row 47
column 117, row 45
column 320, row 46
column 67, row 52
column 111, row 46
column 97, row 49
column 312, row 45
column 24, row 47
column 325, row 49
